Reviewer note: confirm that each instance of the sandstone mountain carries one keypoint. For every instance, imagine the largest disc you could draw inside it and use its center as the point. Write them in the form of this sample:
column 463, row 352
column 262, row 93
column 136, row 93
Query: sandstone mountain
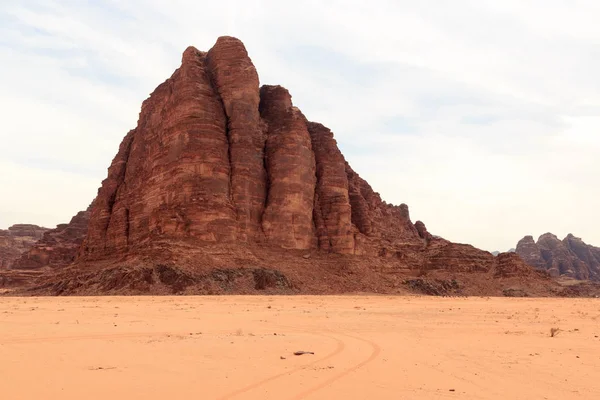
column 16, row 240
column 226, row 187
column 220, row 160
column 570, row 257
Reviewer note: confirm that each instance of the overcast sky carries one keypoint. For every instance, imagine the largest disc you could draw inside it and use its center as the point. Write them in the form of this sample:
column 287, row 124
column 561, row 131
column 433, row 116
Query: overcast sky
column 483, row 116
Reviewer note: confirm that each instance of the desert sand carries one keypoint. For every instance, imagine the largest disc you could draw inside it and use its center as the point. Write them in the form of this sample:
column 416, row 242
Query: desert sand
column 234, row 347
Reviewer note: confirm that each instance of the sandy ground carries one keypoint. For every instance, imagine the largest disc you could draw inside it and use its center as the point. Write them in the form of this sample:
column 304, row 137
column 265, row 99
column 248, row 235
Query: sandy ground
column 242, row 348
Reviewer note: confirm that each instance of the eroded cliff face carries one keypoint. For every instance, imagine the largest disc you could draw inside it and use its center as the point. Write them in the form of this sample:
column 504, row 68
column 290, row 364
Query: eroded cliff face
column 16, row 240
column 570, row 257
column 57, row 247
column 226, row 187
column 221, row 175
column 216, row 159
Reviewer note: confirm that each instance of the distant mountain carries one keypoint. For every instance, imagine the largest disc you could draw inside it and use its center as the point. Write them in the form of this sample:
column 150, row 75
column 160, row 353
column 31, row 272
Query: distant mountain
column 570, row 257
column 495, row 253
column 16, row 240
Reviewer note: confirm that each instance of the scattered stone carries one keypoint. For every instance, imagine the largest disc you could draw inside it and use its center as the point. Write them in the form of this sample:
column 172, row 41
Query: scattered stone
column 299, row 353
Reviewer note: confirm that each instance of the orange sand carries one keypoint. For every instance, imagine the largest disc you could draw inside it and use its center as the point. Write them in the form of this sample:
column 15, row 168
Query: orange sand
column 241, row 348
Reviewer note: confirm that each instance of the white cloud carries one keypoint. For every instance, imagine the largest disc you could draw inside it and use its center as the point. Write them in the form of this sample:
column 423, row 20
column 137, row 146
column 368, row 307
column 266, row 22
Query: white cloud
column 481, row 115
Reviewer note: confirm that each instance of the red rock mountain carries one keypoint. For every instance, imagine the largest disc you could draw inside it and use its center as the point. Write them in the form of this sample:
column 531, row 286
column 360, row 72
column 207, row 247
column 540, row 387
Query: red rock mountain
column 57, row 247
column 220, row 160
column 16, row 240
column 570, row 257
column 225, row 187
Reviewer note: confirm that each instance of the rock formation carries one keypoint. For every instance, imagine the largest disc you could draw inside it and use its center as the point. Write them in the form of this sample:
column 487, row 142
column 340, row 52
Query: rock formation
column 226, row 187
column 16, row 240
column 57, row 247
column 570, row 257
column 287, row 219
column 217, row 159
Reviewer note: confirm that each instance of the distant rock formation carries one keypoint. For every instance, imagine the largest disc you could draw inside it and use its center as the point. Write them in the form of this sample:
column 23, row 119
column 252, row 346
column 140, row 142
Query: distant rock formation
column 57, row 247
column 16, row 240
column 570, row 257
column 511, row 250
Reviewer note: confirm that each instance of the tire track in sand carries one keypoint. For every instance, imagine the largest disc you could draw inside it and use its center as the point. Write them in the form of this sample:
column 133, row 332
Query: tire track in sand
column 339, row 348
column 374, row 354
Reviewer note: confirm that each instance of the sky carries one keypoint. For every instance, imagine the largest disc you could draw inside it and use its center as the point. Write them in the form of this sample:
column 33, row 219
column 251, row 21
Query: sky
column 483, row 116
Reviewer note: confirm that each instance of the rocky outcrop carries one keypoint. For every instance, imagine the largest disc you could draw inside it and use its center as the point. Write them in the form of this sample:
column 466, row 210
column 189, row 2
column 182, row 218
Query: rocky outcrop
column 570, row 257
column 16, row 240
column 223, row 175
column 57, row 247
column 510, row 264
column 423, row 232
column 215, row 159
column 457, row 257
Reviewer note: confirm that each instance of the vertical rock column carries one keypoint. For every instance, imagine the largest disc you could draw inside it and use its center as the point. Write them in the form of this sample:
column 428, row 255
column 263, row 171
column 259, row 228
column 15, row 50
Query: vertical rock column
column 361, row 213
column 290, row 163
column 332, row 213
column 236, row 81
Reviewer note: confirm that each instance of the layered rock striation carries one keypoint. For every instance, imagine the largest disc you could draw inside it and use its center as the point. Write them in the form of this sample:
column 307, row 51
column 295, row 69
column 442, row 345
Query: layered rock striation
column 221, row 176
column 570, row 257
column 217, row 159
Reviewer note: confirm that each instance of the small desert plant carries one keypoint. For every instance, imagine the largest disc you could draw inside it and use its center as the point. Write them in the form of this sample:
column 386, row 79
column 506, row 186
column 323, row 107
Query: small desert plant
column 554, row 332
